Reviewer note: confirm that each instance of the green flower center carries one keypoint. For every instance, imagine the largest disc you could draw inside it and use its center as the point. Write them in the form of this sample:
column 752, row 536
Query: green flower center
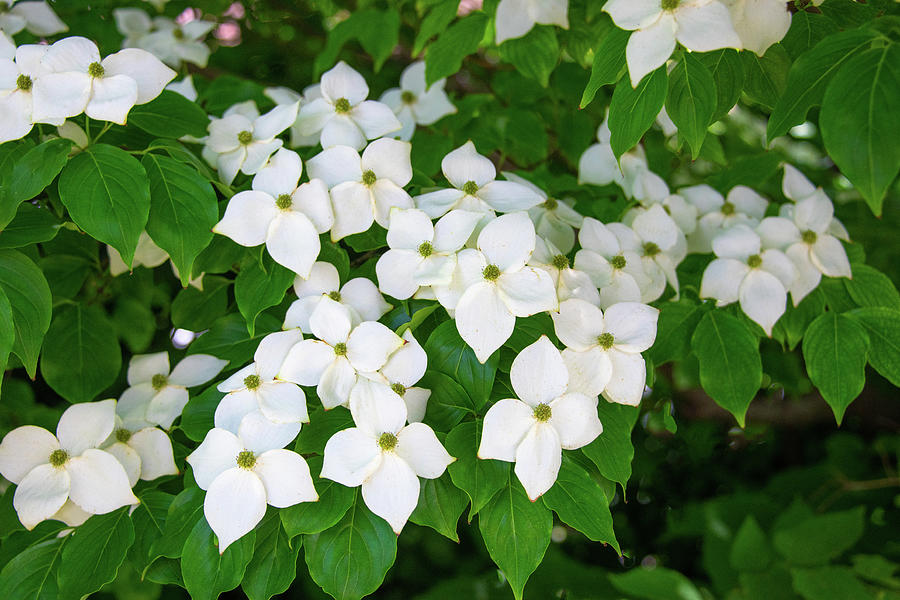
column 251, row 382
column 470, row 187
column 398, row 388
column 95, row 69
column 550, row 204
column 617, row 262
column 809, row 237
column 491, row 272
column 727, row 209
column 669, row 4
column 245, row 137
column 407, row 97
column 246, row 459
column 387, row 441
column 335, row 295
column 178, row 34
column 426, row 249
column 123, row 435
column 59, row 457
column 606, row 340
column 651, row 249
column 754, row 261
column 369, row 178
column 342, row 106
column 159, row 381
column 542, row 412
column 23, row 82
column 340, row 349
column 4, row 6
column 284, row 201
column 560, row 261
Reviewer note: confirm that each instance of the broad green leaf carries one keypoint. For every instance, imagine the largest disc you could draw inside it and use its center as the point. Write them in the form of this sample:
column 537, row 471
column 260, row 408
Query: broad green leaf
column 84, row 358
column 274, row 563
column 102, row 542
column 31, row 575
column 376, row 30
column 350, row 559
column 479, row 479
column 258, row 287
column 418, row 317
column 207, row 573
column 829, row 583
column 811, row 74
column 835, row 348
column 633, row 110
column 883, row 326
column 32, row 224
column 461, row 39
column 771, row 584
column 227, row 90
column 31, row 173
column 534, row 55
column 658, row 583
column 448, row 404
column 751, row 171
column 765, row 77
column 871, row 287
column 228, row 338
column 107, row 194
column 525, row 136
column 730, row 365
column 332, row 253
column 436, row 21
column 876, row 568
column 183, row 211
column 30, row 300
column 691, row 100
column 612, row 451
column 819, row 539
column 677, row 322
column 184, row 512
column 198, row 416
column 197, row 310
column 609, row 63
column 859, row 119
column 750, row 550
column 516, row 532
column 134, row 322
column 314, row 517
column 170, row 115
column 373, row 239
column 807, row 29
column 7, row 331
column 579, row 502
column 322, row 426
column 728, row 75
column 792, row 325
column 449, row 354
column 164, row 571
column 149, row 520
column 440, row 505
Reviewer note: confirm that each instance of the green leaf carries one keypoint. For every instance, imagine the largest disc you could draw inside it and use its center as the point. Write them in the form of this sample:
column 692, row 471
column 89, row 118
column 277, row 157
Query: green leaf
column 811, row 74
column 609, row 63
column 102, row 542
column 274, row 563
column 33, row 172
column 819, row 539
column 436, row 21
column 658, row 583
column 314, row 517
column 633, row 110
column 198, row 416
column 750, row 551
column 765, row 77
column 871, row 287
column 834, row 349
column 728, row 75
column 207, row 573
column 372, row 239
column 350, row 559
column 883, row 327
column 184, row 512
column 677, row 322
column 183, row 211
column 170, row 115
column 876, row 568
column 260, row 286
column 859, row 121
column 197, row 310
column 32, row 224
column 440, row 505
column 31, row 575
column 7, row 331
column 829, row 583
column 535, row 54
column 751, row 171
column 30, row 301
column 449, row 354
column 228, row 338
column 516, row 532
column 84, row 358
column 107, row 194
column 445, row 55
column 337, row 256
column 807, row 29
column 448, row 404
column 579, row 502
column 322, row 426
column 479, row 479
column 612, row 451
column 792, row 325
column 149, row 520
column 730, row 364
column 376, row 30
column 691, row 100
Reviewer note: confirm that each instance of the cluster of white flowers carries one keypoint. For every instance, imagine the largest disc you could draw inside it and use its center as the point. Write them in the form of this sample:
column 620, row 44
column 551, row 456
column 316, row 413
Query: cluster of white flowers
column 173, row 42
column 34, row 16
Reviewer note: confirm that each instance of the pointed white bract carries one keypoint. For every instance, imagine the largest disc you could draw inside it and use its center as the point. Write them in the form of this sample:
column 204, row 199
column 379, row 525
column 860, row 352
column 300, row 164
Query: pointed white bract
column 51, row 470
column 283, row 95
column 515, row 18
column 35, row 17
column 146, row 254
column 414, row 103
column 568, row 282
column 615, row 269
column 18, row 74
column 547, row 417
column 655, row 236
column 759, row 23
column 742, row 206
column 554, row 220
column 145, row 452
column 170, row 41
column 384, row 456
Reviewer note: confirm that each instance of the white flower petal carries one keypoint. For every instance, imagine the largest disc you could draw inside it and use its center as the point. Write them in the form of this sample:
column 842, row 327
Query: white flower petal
column 409, row 228
column 259, row 434
column 86, row 425
column 738, row 242
column 280, row 175
column 376, row 409
column 335, row 165
column 632, row 14
column 361, row 294
column 337, row 383
column 341, row 130
column 286, row 478
column 235, row 381
column 216, row 454
column 505, row 425
column 233, row 408
column 353, row 210
column 578, row 324
column 829, row 256
column 763, row 298
column 196, row 370
column 464, row 164
column 629, row 373
column 342, row 81
column 438, row 202
column 392, row 491
column 293, row 242
column 508, row 196
column 370, row 344
column 247, row 218
column 155, row 449
column 420, row 448
column 777, row 232
column 416, row 400
column 779, row 265
column 234, row 504
column 282, row 402
column 632, row 325
column 706, row 26
column 312, row 199
column 99, row 483
column 407, row 365
column 166, row 406
column 589, row 371
column 483, row 320
column 795, row 185
column 389, row 159
column 148, row 73
column 323, row 278
column 269, row 125
column 538, row 458
column 598, row 166
column 312, row 117
column 351, row 456
column 527, row 292
column 375, row 120
column 513, row 20
column 386, row 196
column 257, row 155
column 23, row 449
column 508, row 241
column 538, row 373
column 41, row 493
column 722, row 280
column 747, row 201
column 648, row 48
column 574, row 417
column 128, row 458
column 306, row 362
column 808, row 275
column 143, row 367
column 272, row 351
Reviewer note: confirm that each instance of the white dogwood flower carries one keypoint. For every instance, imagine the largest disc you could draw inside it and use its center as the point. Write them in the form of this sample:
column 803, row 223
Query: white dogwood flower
column 598, row 165
column 146, row 254
column 656, row 238
column 568, row 282
column 742, row 206
column 343, row 115
column 603, row 351
column 797, row 187
column 698, row 25
column 759, row 23
column 474, row 188
column 7, row 46
column 276, row 211
column 554, row 220
column 17, row 77
column 617, row 271
column 547, row 417
column 359, row 295
column 499, row 286
column 333, row 361
column 170, row 41
column 404, row 368
column 285, row 95
column 144, row 451
column 364, row 188
column 638, row 181
column 515, row 18
column 184, row 87
column 37, row 18
column 49, row 470
column 385, row 457
column 156, row 395
column 414, row 103
column 422, row 254
column 241, row 475
column 242, row 140
column 744, row 272
column 78, row 81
